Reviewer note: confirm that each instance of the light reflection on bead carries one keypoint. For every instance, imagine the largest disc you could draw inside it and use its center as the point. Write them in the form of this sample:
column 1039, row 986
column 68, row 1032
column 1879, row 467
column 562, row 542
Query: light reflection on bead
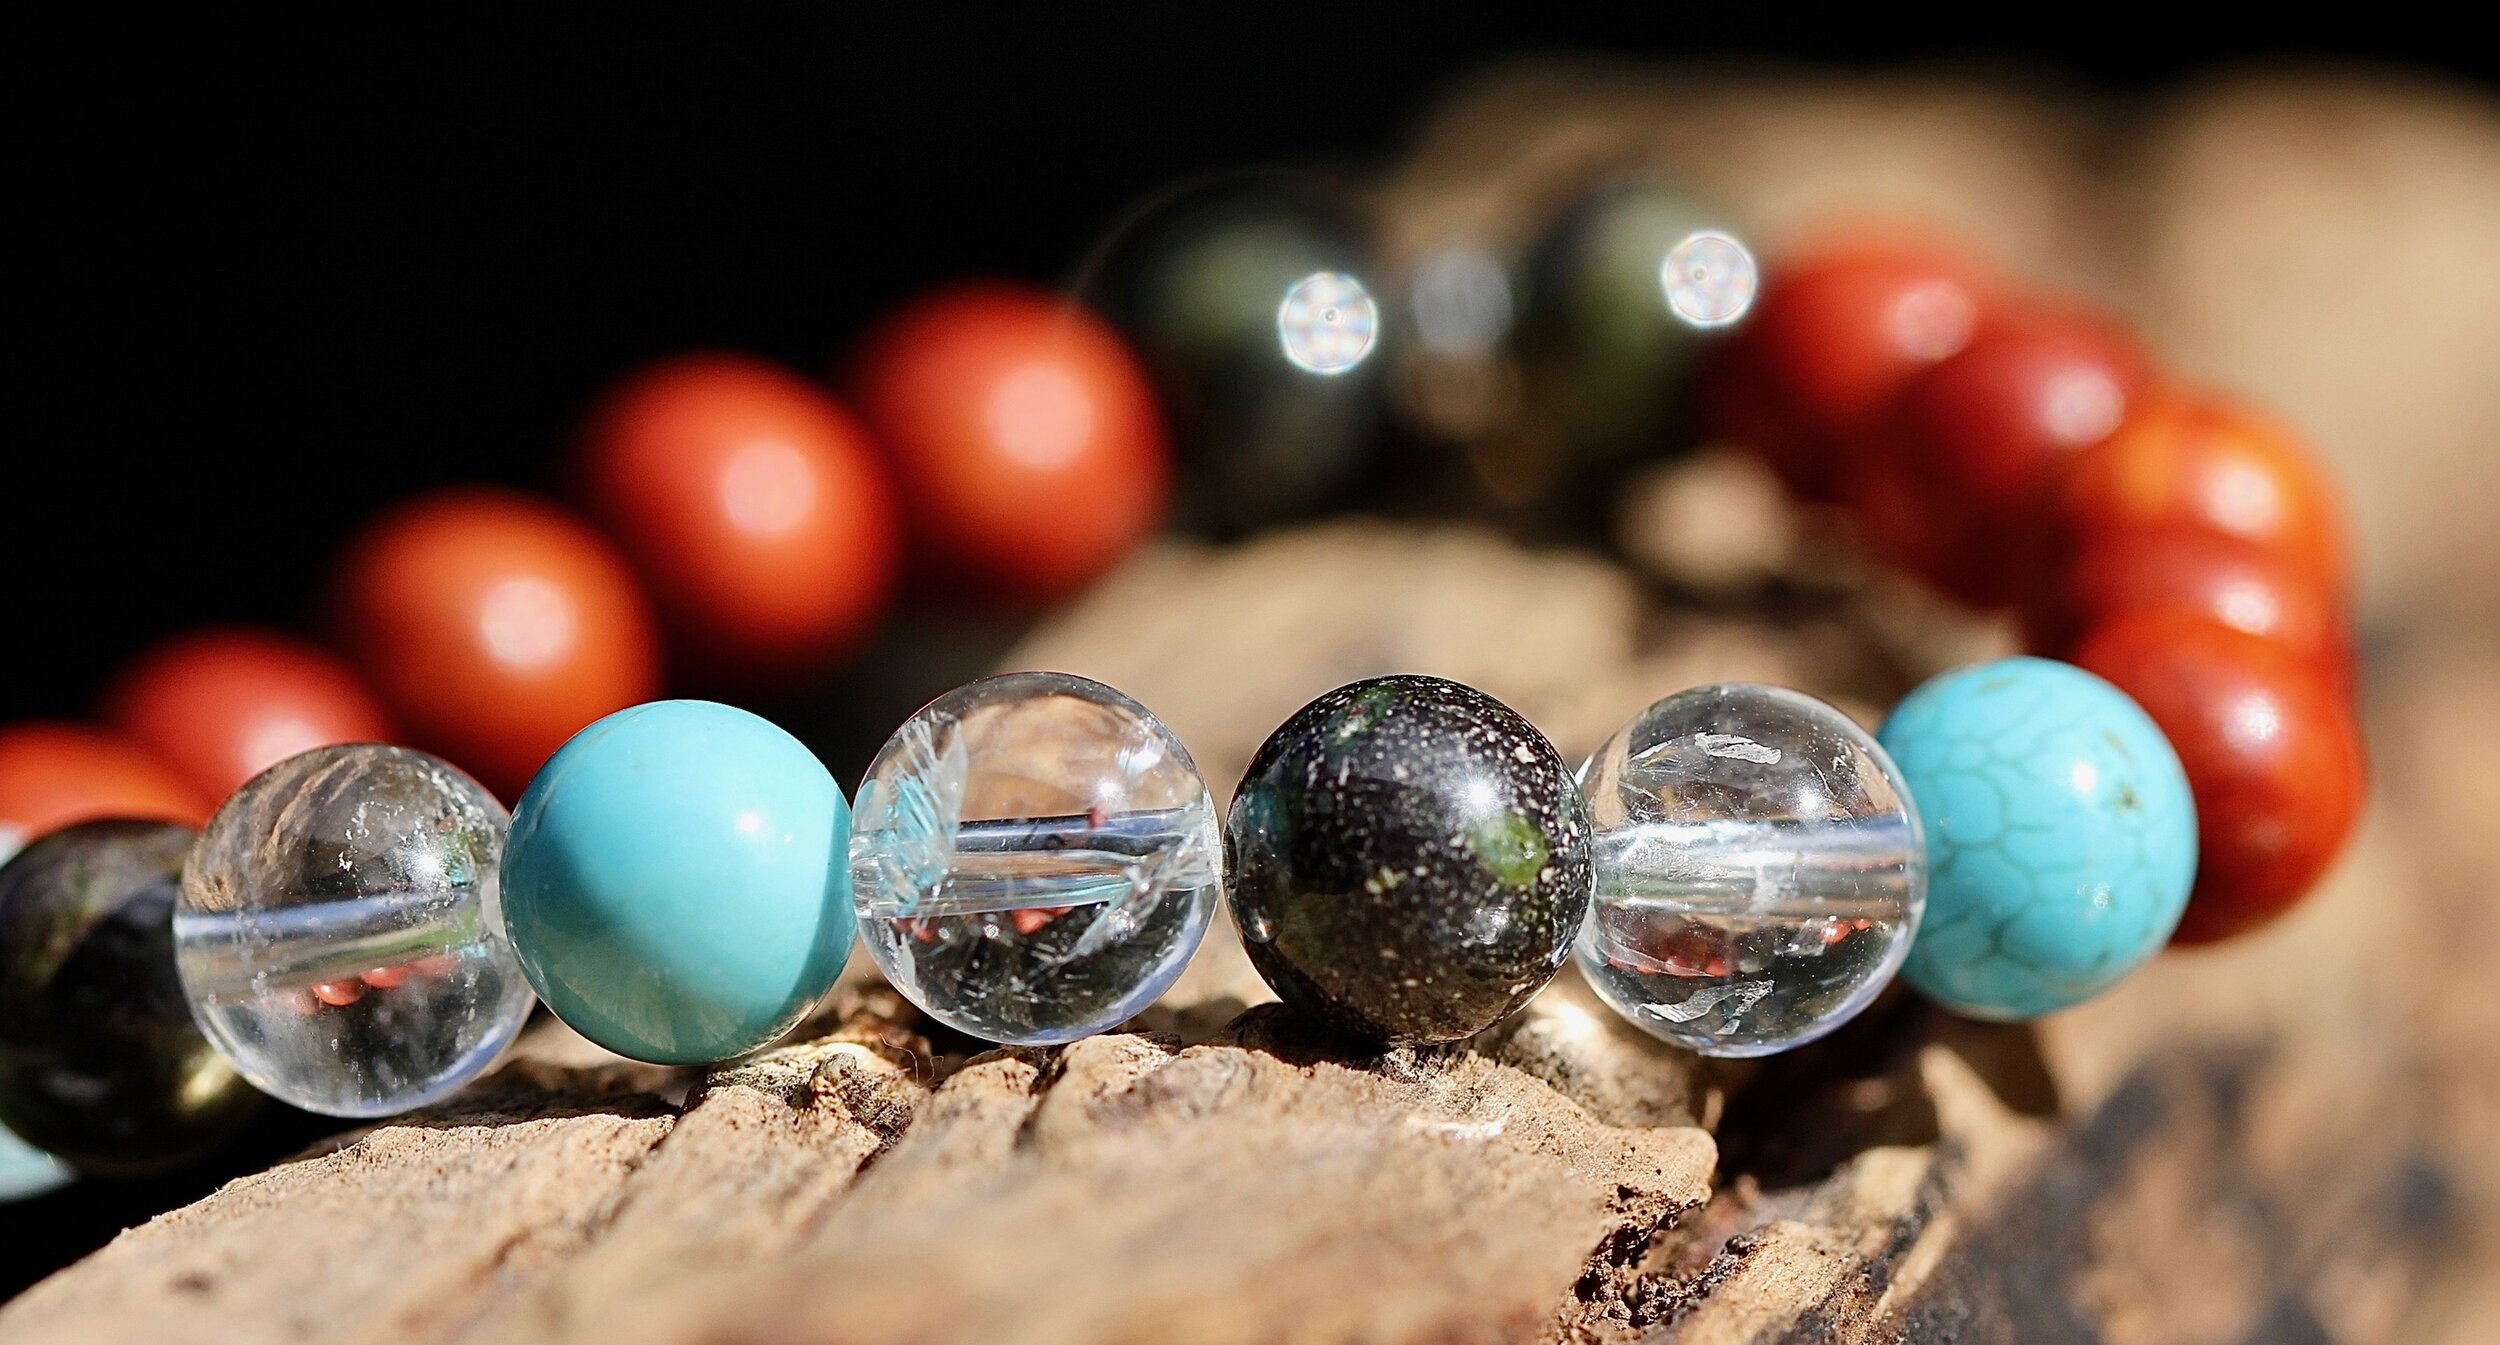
column 1327, row 323
column 1709, row 279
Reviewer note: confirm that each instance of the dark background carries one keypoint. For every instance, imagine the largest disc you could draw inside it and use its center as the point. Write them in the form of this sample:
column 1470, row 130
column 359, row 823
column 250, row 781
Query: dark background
column 271, row 274
column 267, row 275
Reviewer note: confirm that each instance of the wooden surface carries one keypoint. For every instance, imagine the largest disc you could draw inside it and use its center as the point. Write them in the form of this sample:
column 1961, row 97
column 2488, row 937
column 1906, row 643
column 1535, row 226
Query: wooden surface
column 2287, row 1139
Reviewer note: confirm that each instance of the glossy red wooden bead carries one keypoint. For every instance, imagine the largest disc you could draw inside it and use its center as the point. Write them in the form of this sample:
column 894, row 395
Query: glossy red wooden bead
column 2272, row 751
column 2193, row 572
column 53, row 774
column 1986, row 435
column 1838, row 330
column 1023, row 433
column 494, row 625
column 2185, row 459
column 221, row 706
column 754, row 507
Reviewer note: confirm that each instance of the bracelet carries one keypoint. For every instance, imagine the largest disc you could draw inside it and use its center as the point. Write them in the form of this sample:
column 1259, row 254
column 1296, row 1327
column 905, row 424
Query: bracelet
column 362, row 929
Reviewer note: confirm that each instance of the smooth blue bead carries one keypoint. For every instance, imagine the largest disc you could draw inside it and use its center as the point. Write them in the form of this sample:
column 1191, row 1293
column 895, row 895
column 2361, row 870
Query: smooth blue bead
column 2061, row 838
column 677, row 884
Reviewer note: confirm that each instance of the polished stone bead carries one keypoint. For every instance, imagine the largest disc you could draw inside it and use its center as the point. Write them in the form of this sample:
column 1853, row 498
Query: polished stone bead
column 100, row 1062
column 1760, row 870
column 339, row 935
column 1409, row 859
column 1035, row 858
column 2061, row 838
column 1624, row 296
column 1253, row 302
column 677, row 884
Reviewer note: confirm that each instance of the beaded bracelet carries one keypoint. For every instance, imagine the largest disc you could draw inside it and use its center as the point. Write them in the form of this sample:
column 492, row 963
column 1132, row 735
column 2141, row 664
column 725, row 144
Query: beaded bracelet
column 361, row 929
column 1035, row 857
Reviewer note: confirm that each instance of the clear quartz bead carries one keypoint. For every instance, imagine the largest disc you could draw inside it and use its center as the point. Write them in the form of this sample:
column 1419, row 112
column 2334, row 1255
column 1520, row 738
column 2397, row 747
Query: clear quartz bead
column 1034, row 857
column 1760, row 870
column 339, row 934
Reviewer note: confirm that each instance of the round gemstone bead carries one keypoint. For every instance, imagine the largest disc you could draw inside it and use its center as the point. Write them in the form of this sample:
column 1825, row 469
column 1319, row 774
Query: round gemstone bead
column 100, row 1062
column 2185, row 460
column 2189, row 572
column 338, row 932
column 1274, row 405
column 1759, row 870
column 1410, row 859
column 1035, row 858
column 2271, row 749
column 1622, row 297
column 676, row 885
column 2061, row 838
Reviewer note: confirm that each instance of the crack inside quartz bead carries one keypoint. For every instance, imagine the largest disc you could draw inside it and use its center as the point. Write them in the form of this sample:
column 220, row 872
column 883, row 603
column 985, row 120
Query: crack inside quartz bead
column 1035, row 858
column 1760, row 870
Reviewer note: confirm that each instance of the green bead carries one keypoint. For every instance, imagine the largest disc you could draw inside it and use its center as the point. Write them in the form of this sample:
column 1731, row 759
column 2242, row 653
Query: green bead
column 1609, row 341
column 677, row 882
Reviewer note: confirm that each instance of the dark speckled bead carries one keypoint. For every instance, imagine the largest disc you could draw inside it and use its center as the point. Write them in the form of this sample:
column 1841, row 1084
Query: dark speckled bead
column 100, row 1061
column 1409, row 859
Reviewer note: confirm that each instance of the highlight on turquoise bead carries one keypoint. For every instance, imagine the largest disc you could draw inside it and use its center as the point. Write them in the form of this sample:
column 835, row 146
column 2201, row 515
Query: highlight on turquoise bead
column 2061, row 837
column 677, row 882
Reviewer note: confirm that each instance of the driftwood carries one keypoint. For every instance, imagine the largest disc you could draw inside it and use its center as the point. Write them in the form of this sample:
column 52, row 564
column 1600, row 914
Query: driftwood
column 2286, row 1139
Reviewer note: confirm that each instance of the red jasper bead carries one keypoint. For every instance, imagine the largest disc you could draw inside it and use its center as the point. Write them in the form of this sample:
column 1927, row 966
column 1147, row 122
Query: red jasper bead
column 2272, row 753
column 1023, row 433
column 54, row 774
column 2185, row 460
column 1837, row 331
column 221, row 706
column 2193, row 572
column 1986, row 434
column 495, row 626
column 753, row 506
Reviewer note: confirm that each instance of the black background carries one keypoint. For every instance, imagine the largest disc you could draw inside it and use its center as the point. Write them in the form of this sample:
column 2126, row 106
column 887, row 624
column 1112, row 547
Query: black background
column 267, row 274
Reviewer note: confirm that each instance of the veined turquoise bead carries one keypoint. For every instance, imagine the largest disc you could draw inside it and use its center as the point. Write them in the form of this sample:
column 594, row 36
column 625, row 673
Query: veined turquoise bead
column 2061, row 837
column 677, row 882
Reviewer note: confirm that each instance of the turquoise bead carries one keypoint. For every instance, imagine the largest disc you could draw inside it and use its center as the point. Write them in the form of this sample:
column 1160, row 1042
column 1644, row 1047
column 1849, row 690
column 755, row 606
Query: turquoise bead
column 677, row 882
column 2061, row 838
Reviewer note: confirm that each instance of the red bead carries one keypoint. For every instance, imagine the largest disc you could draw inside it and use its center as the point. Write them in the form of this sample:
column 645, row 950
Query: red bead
column 753, row 506
column 2189, row 461
column 1837, row 332
column 221, row 706
column 1985, row 436
column 494, row 626
column 1023, row 433
column 2272, row 753
column 2196, row 573
column 54, row 774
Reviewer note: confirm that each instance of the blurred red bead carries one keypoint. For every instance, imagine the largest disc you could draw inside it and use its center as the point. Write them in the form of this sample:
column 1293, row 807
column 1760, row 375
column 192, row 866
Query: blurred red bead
column 2185, row 460
column 1985, row 436
column 53, row 774
column 221, row 706
column 494, row 626
column 1839, row 329
column 753, row 506
column 2272, row 753
column 2195, row 573
column 1023, row 433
